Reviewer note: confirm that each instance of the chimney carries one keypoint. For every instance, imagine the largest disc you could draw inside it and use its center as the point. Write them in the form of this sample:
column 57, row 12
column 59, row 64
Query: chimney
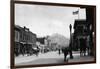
column 24, row 27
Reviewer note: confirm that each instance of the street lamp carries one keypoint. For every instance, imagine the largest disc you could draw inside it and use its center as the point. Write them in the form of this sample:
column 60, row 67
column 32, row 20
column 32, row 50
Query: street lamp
column 70, row 44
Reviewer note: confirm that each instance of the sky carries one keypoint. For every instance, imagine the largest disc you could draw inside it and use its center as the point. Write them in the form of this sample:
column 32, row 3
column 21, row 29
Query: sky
column 46, row 20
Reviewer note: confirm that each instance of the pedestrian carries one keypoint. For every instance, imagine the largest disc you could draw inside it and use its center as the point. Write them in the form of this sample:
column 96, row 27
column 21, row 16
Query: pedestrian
column 37, row 51
column 65, row 51
column 59, row 51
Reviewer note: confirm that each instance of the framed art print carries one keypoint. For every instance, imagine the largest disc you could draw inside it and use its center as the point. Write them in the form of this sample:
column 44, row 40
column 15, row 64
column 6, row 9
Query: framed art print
column 51, row 34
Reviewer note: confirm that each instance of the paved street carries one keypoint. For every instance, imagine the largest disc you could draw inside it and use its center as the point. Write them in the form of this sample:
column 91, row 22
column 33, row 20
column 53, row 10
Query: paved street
column 49, row 58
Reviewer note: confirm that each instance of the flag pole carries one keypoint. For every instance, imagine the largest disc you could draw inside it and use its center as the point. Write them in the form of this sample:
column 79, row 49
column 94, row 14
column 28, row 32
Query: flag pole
column 77, row 12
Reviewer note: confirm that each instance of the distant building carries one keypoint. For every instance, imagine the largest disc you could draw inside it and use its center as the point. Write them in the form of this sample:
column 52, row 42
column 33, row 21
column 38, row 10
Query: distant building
column 40, row 46
column 24, row 40
column 41, row 43
column 54, row 46
column 41, row 40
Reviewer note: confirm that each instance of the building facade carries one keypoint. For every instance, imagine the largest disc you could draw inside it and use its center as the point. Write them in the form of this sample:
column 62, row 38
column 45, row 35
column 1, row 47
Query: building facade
column 81, row 36
column 24, row 40
column 84, row 32
column 17, row 41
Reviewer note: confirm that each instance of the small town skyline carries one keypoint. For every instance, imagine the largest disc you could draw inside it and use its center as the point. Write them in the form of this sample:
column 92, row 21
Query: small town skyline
column 47, row 20
column 43, row 35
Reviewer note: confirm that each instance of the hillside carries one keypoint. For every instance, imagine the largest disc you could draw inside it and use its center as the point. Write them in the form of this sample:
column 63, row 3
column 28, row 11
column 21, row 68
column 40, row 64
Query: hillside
column 59, row 39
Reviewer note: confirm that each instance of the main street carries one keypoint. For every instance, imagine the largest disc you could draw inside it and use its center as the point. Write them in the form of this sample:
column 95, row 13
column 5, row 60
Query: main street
column 49, row 58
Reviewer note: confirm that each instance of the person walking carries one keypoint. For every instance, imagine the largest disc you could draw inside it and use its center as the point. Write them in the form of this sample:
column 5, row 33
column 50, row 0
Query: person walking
column 65, row 51
column 59, row 51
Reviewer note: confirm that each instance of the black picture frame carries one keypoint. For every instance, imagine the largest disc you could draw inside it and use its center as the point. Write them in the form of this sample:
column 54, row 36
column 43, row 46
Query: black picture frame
column 12, row 19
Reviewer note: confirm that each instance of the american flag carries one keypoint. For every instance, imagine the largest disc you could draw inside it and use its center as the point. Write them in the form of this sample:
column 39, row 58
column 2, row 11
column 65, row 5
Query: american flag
column 76, row 12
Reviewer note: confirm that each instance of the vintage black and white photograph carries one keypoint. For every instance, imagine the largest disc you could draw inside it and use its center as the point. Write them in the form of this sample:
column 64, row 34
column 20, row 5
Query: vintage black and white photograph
column 46, row 34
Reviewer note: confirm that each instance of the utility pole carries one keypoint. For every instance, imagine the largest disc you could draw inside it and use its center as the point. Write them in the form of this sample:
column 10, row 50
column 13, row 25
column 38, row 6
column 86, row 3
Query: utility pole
column 70, row 44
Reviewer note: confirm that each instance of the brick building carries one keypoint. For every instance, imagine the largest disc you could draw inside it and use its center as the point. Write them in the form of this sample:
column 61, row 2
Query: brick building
column 24, row 40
